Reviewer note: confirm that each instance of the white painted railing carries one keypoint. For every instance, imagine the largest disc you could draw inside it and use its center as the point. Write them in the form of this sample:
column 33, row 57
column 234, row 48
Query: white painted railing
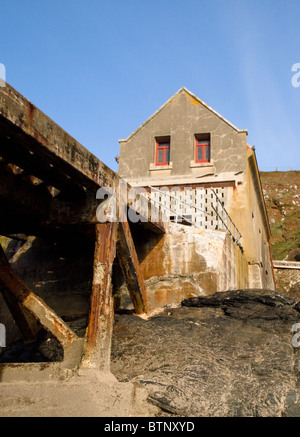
column 200, row 207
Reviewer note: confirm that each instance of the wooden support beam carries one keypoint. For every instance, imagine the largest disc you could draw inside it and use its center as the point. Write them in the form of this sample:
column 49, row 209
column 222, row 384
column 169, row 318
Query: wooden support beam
column 34, row 165
column 71, row 344
column 130, row 266
column 33, row 142
column 24, row 319
column 97, row 346
column 38, row 208
column 42, row 135
column 32, row 199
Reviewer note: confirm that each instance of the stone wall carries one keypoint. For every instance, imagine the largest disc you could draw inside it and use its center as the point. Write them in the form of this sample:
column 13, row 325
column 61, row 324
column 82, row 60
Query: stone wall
column 287, row 275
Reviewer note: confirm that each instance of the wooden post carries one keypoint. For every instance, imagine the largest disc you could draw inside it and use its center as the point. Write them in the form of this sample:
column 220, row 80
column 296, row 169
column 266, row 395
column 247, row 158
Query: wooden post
column 97, row 345
column 130, row 266
column 24, row 319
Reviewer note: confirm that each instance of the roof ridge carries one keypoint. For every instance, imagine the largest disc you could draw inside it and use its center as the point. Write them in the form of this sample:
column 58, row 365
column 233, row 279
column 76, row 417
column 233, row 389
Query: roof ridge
column 182, row 89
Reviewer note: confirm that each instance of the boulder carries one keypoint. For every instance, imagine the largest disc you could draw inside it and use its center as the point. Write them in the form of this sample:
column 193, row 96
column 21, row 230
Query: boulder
column 229, row 354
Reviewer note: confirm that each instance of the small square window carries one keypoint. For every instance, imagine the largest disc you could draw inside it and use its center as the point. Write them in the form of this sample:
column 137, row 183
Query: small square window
column 202, row 148
column 162, row 152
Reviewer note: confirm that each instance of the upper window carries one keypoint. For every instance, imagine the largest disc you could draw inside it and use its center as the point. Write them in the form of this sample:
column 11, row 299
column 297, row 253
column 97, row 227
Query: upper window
column 202, row 148
column 162, row 153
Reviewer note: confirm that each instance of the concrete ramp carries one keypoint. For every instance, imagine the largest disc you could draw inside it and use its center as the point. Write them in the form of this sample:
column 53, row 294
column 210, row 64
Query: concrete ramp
column 84, row 394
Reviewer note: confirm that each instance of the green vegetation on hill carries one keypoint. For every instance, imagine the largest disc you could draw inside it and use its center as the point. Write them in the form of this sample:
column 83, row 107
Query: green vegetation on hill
column 282, row 197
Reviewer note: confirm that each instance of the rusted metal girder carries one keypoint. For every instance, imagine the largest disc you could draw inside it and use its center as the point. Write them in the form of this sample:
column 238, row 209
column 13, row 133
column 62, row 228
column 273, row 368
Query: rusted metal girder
column 97, row 345
column 20, row 295
column 130, row 266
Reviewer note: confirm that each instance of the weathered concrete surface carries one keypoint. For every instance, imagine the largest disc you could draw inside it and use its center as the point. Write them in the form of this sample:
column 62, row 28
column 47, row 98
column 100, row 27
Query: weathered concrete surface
column 229, row 354
column 232, row 166
column 131, row 270
column 184, row 115
column 186, row 262
column 85, row 394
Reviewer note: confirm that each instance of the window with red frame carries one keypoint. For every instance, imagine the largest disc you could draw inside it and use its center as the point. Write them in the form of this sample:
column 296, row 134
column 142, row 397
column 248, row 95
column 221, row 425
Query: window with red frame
column 162, row 154
column 202, row 149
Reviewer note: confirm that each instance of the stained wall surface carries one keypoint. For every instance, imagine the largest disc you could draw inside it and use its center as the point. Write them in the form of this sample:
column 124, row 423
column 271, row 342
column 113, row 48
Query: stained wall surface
column 181, row 118
column 232, row 167
column 187, row 262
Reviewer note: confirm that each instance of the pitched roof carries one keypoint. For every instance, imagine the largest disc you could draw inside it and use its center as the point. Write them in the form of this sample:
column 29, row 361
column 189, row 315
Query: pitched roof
column 194, row 97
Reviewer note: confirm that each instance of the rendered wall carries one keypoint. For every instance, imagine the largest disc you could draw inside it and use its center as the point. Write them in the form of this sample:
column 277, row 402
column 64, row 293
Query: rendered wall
column 188, row 262
column 181, row 118
column 246, row 207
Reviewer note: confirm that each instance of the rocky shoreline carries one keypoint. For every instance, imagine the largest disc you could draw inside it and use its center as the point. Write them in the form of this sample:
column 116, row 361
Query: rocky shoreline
column 229, row 354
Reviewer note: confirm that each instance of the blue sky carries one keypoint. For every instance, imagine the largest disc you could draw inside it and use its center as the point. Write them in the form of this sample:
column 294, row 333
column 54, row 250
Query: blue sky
column 100, row 68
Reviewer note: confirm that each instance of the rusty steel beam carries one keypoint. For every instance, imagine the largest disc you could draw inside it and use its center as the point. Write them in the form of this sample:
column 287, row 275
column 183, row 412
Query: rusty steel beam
column 72, row 345
column 130, row 267
column 97, row 344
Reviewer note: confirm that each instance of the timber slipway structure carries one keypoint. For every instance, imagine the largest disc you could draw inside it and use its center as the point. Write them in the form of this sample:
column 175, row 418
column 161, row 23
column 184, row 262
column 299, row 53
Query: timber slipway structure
column 48, row 186
column 48, row 189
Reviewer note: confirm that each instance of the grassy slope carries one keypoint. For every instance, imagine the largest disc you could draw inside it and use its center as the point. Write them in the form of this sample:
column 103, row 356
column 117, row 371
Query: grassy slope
column 282, row 197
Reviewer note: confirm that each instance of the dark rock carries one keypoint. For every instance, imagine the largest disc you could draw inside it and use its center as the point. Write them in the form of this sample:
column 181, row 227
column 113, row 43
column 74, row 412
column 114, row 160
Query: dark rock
column 45, row 349
column 229, row 354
